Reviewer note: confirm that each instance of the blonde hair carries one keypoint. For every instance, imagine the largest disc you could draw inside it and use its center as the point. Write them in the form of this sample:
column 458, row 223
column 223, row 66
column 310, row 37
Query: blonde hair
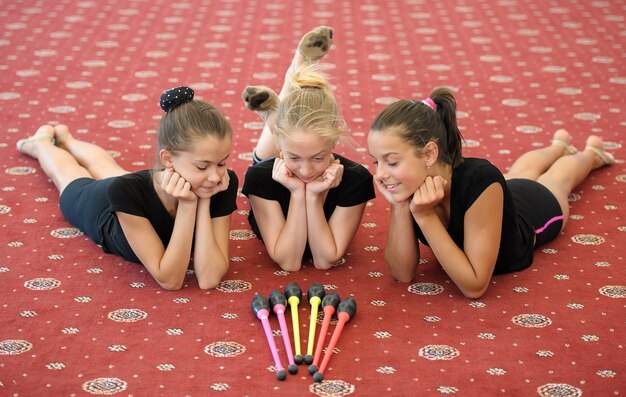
column 309, row 105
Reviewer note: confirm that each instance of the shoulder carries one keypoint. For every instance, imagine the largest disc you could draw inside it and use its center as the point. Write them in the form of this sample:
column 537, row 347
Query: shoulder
column 350, row 166
column 133, row 181
column 266, row 164
column 225, row 202
column 234, row 179
column 472, row 177
column 132, row 190
column 260, row 169
column 137, row 176
column 476, row 168
column 356, row 185
column 233, row 185
column 258, row 178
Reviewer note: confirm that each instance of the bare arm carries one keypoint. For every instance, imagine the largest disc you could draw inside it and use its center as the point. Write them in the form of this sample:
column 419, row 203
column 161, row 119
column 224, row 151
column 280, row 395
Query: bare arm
column 471, row 268
column 285, row 239
column 330, row 239
column 402, row 253
column 211, row 246
column 168, row 265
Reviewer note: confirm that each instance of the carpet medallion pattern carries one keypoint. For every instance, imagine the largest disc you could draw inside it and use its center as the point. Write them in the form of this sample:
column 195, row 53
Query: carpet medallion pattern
column 76, row 321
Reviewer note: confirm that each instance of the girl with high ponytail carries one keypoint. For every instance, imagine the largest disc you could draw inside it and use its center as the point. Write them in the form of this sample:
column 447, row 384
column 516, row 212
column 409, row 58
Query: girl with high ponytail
column 306, row 201
column 476, row 220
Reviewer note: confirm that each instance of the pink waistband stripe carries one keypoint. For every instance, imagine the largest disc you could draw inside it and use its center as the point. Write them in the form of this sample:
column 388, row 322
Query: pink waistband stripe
column 556, row 218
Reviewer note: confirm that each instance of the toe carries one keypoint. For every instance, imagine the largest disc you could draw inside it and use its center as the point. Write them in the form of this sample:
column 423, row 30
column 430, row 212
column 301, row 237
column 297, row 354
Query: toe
column 44, row 132
column 563, row 135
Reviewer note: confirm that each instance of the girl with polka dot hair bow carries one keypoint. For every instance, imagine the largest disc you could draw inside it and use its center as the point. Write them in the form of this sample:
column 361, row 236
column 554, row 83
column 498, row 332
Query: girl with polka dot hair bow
column 477, row 221
column 163, row 218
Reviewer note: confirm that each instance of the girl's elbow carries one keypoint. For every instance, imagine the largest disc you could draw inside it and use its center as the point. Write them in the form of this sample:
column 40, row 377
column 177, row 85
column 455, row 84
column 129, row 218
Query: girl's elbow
column 208, row 284
column 403, row 277
column 213, row 277
column 473, row 294
column 287, row 264
column 328, row 262
column 171, row 285
column 323, row 265
column 290, row 266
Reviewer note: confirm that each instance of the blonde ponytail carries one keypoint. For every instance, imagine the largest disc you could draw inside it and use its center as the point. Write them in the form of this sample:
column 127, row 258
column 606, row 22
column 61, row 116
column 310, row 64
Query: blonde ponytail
column 310, row 105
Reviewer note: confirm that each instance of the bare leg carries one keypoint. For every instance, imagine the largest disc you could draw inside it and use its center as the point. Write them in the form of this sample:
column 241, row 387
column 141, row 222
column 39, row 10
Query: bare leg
column 97, row 161
column 532, row 164
column 569, row 171
column 263, row 101
column 312, row 47
column 58, row 164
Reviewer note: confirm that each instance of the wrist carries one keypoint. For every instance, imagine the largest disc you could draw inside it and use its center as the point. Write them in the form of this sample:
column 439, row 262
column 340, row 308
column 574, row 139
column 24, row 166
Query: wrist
column 423, row 219
column 187, row 204
column 401, row 207
column 298, row 194
column 312, row 195
column 204, row 203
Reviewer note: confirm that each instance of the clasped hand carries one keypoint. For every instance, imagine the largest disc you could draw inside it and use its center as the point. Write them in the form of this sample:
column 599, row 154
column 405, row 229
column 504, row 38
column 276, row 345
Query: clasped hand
column 423, row 201
column 330, row 178
column 220, row 186
column 428, row 196
column 176, row 186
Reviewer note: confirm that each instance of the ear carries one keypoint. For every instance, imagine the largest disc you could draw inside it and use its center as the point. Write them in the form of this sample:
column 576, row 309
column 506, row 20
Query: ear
column 166, row 158
column 430, row 153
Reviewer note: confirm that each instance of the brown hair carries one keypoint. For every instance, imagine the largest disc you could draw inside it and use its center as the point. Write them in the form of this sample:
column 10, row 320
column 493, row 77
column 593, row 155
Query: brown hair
column 184, row 124
column 418, row 123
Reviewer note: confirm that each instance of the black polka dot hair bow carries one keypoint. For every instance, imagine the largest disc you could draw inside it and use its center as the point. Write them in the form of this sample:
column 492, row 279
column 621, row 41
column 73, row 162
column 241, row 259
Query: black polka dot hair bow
column 175, row 96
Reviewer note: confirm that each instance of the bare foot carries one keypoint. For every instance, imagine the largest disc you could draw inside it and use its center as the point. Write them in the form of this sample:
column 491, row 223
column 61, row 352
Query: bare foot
column 61, row 135
column 316, row 43
column 596, row 146
column 44, row 134
column 260, row 99
column 562, row 138
column 312, row 47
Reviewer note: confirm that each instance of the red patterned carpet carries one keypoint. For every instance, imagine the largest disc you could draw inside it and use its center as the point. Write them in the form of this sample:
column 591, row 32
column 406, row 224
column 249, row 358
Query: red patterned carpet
column 75, row 321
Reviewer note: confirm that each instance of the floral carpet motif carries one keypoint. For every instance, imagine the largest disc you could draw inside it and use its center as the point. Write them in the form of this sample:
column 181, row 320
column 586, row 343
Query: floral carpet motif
column 76, row 321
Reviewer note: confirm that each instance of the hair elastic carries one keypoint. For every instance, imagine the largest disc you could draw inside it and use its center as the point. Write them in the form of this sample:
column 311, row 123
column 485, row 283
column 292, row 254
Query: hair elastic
column 175, row 97
column 430, row 103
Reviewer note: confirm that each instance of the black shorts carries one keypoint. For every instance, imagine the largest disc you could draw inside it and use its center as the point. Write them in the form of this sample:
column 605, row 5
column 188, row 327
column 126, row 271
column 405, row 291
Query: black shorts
column 536, row 204
column 84, row 204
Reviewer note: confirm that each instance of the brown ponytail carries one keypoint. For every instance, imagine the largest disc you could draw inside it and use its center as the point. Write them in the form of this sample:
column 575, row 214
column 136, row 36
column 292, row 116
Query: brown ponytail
column 418, row 123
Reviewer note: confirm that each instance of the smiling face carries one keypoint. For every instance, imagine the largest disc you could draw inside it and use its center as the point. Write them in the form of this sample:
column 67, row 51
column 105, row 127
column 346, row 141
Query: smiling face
column 306, row 154
column 203, row 166
column 398, row 165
